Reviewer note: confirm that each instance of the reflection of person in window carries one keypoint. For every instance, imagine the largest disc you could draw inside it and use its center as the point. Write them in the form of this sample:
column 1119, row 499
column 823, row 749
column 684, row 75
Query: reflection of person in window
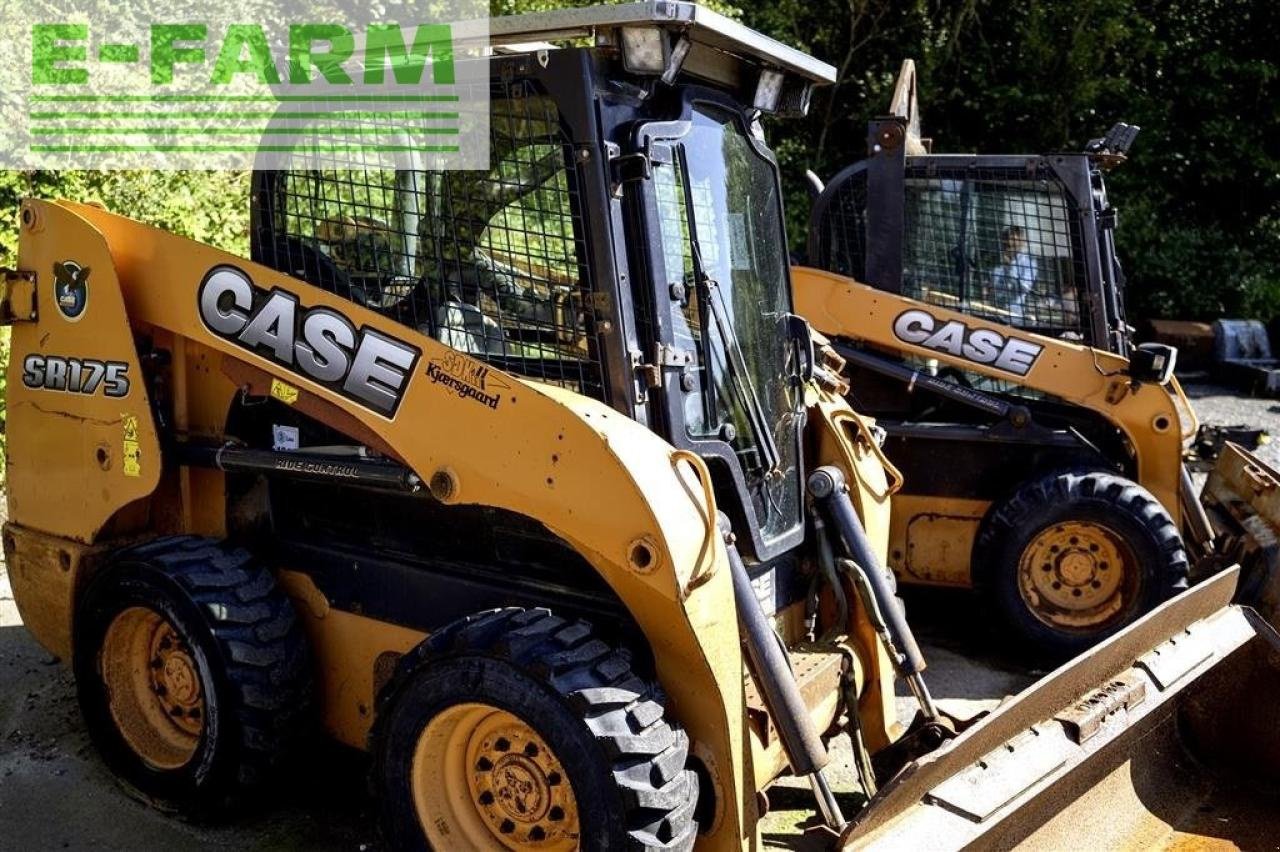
column 1015, row 277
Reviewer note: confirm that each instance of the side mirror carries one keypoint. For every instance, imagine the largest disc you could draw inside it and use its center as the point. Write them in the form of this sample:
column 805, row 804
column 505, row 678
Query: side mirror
column 1152, row 362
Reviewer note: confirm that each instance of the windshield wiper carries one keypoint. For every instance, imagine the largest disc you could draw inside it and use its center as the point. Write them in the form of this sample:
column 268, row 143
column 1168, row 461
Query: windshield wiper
column 735, row 363
column 740, row 376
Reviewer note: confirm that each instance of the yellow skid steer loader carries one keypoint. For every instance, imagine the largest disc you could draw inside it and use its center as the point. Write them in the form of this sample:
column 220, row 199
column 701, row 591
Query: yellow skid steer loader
column 531, row 484
column 979, row 304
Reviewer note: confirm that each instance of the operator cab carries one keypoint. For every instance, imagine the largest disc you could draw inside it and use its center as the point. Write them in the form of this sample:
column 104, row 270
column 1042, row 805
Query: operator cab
column 627, row 242
column 1023, row 240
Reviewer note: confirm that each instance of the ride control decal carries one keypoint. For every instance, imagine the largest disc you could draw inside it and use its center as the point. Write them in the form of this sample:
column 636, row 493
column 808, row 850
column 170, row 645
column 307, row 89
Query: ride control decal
column 468, row 379
column 70, row 288
column 364, row 365
column 979, row 345
column 75, row 375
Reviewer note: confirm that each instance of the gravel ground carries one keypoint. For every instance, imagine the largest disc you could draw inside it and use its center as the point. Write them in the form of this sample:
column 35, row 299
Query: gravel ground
column 55, row 793
column 1220, row 406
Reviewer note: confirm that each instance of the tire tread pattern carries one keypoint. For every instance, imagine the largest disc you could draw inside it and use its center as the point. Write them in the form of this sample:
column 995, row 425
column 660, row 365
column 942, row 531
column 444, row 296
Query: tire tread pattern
column 625, row 713
column 264, row 649
column 1107, row 491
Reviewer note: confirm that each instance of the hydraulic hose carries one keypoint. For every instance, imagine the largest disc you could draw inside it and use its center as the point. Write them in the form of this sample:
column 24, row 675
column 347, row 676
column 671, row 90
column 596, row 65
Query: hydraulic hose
column 829, row 491
column 800, row 740
column 827, row 486
column 827, row 572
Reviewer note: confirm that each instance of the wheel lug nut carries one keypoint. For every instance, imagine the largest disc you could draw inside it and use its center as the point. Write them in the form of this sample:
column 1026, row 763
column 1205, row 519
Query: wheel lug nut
column 1057, row 585
column 1075, row 593
column 1096, row 584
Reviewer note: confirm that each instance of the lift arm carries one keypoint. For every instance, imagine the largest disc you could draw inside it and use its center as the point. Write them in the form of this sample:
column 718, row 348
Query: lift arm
column 1155, row 420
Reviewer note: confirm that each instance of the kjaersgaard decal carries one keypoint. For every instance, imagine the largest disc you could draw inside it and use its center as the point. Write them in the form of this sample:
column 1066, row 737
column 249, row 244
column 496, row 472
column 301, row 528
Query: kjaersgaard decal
column 468, row 379
column 979, row 345
column 364, row 365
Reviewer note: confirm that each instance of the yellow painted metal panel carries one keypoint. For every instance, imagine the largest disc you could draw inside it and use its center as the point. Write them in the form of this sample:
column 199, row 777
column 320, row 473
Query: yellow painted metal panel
column 81, row 439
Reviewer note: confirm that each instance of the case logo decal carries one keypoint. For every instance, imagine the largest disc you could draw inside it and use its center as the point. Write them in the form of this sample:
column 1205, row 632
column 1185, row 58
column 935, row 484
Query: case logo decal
column 979, row 345
column 71, row 288
column 366, row 366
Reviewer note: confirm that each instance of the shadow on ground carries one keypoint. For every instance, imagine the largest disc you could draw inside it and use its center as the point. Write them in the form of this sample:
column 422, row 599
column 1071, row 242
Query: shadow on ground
column 56, row 794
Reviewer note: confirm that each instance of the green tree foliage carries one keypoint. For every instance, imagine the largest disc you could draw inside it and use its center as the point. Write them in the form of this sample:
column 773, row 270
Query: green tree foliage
column 212, row 207
column 1199, row 201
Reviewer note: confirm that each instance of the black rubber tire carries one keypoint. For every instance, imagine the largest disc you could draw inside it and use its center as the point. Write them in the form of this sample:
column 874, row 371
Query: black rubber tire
column 251, row 658
column 1124, row 506
column 627, row 763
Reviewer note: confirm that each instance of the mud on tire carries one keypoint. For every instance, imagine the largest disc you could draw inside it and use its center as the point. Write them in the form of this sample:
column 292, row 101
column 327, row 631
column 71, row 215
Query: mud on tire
column 626, row 763
column 238, row 657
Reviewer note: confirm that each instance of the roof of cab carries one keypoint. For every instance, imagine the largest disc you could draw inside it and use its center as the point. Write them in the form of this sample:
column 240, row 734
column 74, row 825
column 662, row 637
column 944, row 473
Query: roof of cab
column 700, row 25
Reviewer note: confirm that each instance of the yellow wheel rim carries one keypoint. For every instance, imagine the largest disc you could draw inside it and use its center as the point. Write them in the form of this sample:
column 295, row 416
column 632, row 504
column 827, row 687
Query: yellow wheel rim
column 153, row 687
column 1079, row 575
column 484, row 779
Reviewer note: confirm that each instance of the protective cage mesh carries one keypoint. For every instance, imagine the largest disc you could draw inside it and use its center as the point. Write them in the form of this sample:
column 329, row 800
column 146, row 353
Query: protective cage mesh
column 999, row 243
column 491, row 263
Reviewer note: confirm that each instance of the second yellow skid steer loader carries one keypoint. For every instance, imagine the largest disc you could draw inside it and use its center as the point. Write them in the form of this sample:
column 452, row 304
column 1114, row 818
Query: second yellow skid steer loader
column 979, row 303
column 529, row 483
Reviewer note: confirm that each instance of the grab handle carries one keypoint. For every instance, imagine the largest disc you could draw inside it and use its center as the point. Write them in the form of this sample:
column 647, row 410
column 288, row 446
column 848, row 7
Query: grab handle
column 1180, row 397
column 709, row 497
column 896, row 479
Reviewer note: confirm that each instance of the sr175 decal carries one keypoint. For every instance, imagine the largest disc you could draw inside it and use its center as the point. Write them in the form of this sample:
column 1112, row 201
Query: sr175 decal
column 75, row 375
